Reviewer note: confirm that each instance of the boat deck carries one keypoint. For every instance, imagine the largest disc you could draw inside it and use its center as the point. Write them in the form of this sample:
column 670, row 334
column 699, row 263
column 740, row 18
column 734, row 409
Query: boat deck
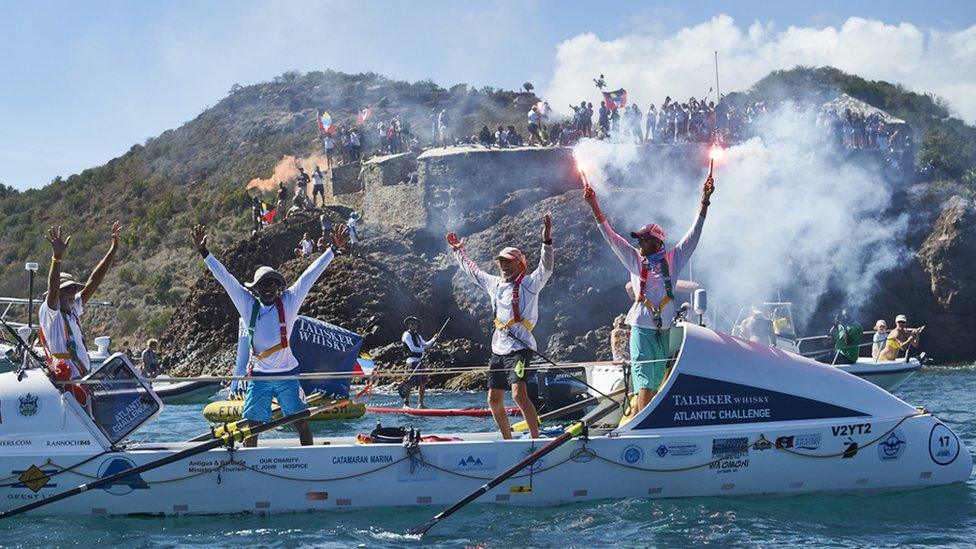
column 321, row 441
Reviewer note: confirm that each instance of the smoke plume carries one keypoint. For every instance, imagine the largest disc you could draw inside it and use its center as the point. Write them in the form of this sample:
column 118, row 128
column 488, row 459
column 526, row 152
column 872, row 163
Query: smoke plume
column 793, row 215
column 287, row 170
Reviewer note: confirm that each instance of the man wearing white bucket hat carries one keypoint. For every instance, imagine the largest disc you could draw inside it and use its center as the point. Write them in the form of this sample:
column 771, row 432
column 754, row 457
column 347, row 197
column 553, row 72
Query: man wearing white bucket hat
column 270, row 311
column 651, row 270
column 64, row 304
column 515, row 300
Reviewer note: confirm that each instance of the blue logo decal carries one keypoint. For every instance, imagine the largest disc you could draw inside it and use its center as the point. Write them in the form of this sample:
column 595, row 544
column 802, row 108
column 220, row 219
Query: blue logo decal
column 632, row 454
column 662, row 450
column 125, row 484
column 892, row 447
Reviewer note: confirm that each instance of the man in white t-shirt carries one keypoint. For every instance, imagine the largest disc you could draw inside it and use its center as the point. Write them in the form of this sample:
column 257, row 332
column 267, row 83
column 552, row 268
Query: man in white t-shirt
column 329, row 145
column 305, row 247
column 60, row 313
column 318, row 185
column 269, row 311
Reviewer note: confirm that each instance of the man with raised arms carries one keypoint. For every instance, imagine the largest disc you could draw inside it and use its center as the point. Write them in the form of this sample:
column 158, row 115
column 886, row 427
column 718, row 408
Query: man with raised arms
column 60, row 313
column 651, row 272
column 269, row 311
column 515, row 299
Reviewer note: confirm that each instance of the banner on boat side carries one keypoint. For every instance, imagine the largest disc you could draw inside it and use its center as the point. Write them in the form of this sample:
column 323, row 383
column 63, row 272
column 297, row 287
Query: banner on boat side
column 321, row 347
column 693, row 400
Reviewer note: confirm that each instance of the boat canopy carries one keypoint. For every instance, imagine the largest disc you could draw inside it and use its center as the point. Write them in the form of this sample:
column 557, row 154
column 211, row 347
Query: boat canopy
column 718, row 379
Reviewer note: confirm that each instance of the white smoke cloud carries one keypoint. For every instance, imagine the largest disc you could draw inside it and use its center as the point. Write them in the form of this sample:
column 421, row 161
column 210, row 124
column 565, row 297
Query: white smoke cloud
column 651, row 65
column 791, row 213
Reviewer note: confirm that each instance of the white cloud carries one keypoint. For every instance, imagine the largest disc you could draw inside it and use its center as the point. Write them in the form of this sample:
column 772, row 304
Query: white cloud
column 653, row 64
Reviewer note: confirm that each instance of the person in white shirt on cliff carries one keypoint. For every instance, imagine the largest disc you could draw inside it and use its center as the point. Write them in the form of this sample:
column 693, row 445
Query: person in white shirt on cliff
column 269, row 311
column 651, row 271
column 60, row 313
column 515, row 299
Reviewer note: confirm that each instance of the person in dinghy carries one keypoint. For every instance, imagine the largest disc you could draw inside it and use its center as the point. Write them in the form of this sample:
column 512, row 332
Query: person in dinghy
column 652, row 269
column 64, row 304
column 270, row 311
column 515, row 298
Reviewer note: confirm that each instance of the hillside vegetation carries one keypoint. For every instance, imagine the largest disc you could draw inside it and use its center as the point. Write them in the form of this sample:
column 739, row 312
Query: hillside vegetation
column 197, row 174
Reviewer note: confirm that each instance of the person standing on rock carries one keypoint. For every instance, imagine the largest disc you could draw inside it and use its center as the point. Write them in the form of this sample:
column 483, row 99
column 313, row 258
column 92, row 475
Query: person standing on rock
column 270, row 311
column 353, row 228
column 318, row 186
column 515, row 299
column 651, row 270
column 60, row 313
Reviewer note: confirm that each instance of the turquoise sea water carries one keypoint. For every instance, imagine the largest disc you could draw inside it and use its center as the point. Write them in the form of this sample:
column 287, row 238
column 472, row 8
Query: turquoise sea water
column 934, row 517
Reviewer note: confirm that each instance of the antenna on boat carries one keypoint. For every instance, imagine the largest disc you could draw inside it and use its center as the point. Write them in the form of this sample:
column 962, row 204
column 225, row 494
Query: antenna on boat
column 31, row 268
column 700, row 300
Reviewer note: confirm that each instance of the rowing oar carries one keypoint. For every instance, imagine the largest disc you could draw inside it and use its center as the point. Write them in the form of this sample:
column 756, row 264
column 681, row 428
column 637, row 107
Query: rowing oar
column 573, row 431
column 218, row 432
column 20, row 341
column 227, row 438
column 566, row 410
column 558, row 367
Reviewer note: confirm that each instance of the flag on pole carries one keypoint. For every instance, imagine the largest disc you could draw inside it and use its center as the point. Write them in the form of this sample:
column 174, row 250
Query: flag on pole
column 616, row 99
column 325, row 123
column 364, row 115
column 364, row 365
column 268, row 216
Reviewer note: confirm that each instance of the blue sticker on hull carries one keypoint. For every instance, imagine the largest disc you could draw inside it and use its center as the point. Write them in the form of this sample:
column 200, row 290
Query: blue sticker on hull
column 694, row 400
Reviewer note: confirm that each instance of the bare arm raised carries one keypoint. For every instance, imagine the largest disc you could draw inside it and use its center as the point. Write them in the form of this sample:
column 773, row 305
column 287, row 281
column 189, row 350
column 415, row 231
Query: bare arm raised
column 59, row 244
column 103, row 266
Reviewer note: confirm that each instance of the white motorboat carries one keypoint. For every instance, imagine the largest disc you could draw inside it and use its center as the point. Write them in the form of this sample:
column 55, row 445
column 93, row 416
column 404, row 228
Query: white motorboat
column 184, row 392
column 886, row 374
column 732, row 418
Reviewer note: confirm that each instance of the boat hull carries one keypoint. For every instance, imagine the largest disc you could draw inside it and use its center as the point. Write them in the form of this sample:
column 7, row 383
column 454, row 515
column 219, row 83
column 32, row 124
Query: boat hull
column 894, row 454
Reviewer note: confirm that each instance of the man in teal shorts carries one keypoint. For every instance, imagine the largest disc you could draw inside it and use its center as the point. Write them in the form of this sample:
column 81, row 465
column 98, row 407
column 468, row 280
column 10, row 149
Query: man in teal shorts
column 652, row 270
column 269, row 311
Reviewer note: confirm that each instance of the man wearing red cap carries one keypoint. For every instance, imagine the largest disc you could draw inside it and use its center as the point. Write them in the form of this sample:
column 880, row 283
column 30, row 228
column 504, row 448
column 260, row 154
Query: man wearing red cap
column 515, row 300
column 651, row 272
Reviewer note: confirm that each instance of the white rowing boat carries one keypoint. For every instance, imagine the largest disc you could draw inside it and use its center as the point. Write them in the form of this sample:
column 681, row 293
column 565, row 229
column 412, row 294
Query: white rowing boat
column 732, row 418
column 184, row 392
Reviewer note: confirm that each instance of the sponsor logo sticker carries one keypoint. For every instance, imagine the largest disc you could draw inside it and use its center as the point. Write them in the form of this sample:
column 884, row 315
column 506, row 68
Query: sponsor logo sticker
column 803, row 442
column 34, row 478
column 476, row 461
column 731, row 454
column 943, row 445
column 730, row 447
column 125, row 484
column 677, row 450
column 893, row 446
column 762, row 443
column 632, row 454
column 29, row 405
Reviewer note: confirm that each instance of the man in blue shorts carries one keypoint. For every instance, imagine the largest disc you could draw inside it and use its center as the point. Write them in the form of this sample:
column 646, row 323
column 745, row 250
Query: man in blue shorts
column 269, row 311
column 652, row 270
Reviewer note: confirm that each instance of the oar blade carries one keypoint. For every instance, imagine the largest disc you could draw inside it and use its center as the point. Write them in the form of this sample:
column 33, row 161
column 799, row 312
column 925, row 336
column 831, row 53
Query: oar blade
column 422, row 529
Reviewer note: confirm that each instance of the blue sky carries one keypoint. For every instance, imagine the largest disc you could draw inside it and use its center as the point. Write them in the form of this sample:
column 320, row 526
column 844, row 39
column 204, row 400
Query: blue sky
column 84, row 81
